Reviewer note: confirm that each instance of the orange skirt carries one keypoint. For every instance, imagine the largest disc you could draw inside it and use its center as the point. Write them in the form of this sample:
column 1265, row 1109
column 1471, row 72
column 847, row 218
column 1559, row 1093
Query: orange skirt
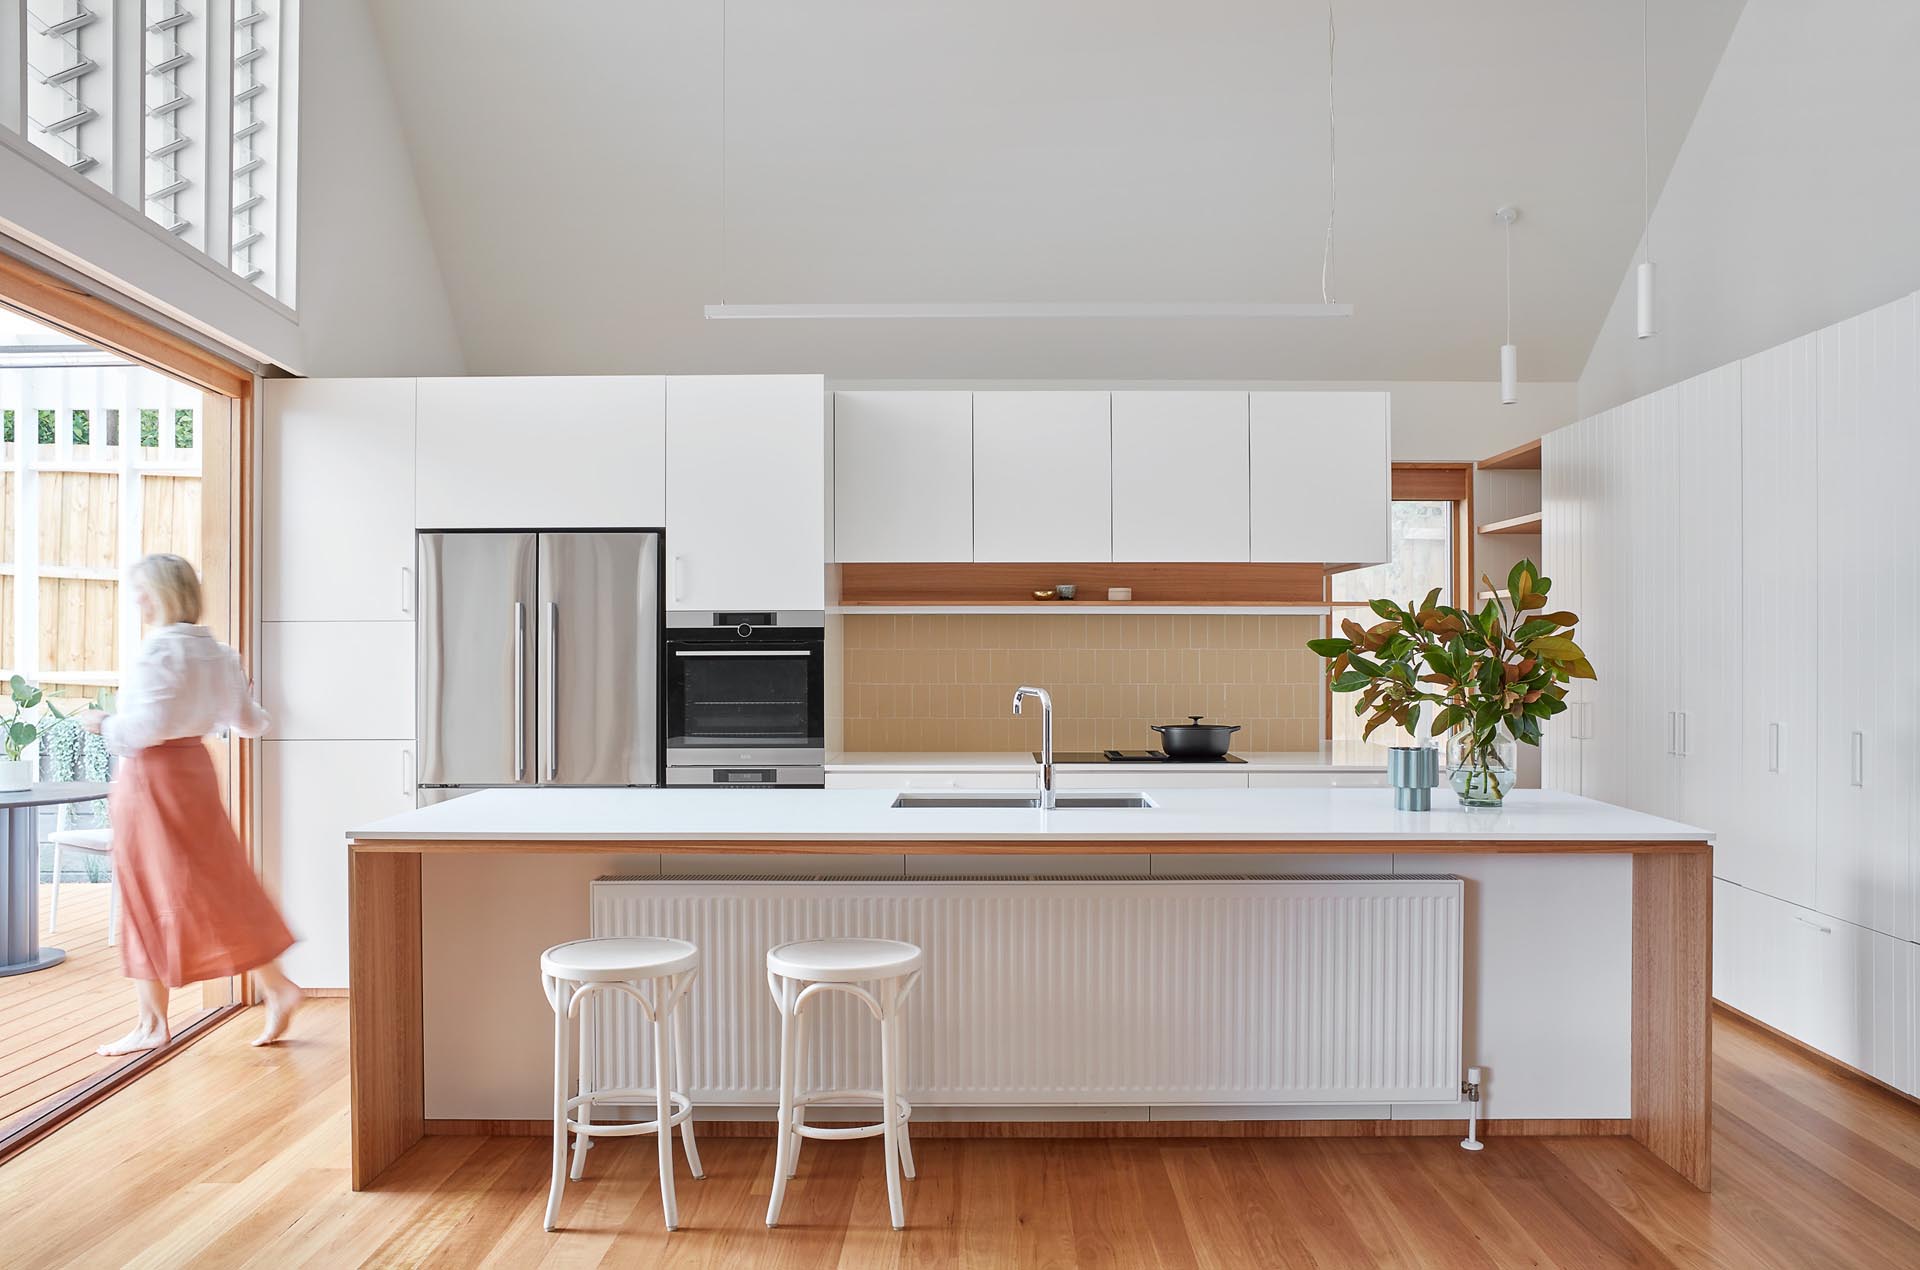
column 191, row 908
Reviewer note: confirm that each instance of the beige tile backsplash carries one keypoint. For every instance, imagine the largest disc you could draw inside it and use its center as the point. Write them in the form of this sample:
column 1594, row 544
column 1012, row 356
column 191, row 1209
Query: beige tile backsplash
column 945, row 683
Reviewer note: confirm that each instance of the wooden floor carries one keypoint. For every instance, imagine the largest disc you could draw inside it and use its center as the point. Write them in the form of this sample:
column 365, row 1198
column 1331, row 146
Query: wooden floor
column 52, row 1020
column 232, row 1156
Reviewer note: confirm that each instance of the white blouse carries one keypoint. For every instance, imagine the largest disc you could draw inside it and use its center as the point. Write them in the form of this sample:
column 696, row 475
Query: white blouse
column 184, row 683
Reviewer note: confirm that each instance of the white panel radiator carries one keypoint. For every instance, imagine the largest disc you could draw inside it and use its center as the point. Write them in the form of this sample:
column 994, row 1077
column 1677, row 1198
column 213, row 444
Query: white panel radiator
column 1051, row 991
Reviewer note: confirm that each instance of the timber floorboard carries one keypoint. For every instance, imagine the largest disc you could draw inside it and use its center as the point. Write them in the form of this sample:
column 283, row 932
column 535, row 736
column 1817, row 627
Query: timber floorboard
column 232, row 1156
column 51, row 1021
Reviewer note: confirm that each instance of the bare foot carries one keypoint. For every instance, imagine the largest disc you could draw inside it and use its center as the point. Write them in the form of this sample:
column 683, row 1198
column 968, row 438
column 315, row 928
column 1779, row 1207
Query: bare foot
column 137, row 1041
column 280, row 1007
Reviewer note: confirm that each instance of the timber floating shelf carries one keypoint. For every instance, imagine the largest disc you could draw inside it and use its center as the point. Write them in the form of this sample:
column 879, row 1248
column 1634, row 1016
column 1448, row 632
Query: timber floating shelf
column 967, row 586
column 1103, row 607
column 1521, row 458
column 1527, row 524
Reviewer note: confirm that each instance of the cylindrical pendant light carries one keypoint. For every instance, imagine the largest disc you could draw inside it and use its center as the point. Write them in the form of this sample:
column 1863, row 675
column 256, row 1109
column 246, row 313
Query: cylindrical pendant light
column 1643, row 276
column 1509, row 355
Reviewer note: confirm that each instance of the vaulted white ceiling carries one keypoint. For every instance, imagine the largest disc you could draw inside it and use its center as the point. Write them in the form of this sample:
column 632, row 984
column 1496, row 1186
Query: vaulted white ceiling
column 569, row 159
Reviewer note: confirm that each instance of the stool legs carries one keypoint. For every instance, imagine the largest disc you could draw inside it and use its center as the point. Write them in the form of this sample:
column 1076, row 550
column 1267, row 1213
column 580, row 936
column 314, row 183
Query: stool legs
column 583, row 1142
column 562, row 1042
column 899, row 1079
column 784, row 1136
column 680, row 1073
column 799, row 1083
column 663, row 1101
column 889, row 1101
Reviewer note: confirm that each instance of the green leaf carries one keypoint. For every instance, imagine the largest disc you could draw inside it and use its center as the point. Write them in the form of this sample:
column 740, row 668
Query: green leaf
column 1351, row 681
column 1412, row 723
column 1331, row 647
column 20, row 734
column 1533, row 627
column 1432, row 600
column 1385, row 608
column 1558, row 647
column 17, row 685
column 1438, row 658
column 1520, row 581
column 29, row 701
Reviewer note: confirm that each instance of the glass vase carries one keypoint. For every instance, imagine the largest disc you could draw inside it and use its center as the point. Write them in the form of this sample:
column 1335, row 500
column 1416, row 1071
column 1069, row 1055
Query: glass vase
column 1482, row 773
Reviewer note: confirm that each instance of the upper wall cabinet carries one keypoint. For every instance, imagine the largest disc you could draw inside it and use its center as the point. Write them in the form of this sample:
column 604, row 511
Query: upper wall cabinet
column 746, row 492
column 1321, row 475
column 336, row 500
column 1042, row 476
column 1180, row 487
column 546, row 452
column 903, row 476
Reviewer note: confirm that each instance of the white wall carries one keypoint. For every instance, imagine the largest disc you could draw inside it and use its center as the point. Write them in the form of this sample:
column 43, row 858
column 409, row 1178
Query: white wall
column 1794, row 200
column 371, row 300
column 1432, row 420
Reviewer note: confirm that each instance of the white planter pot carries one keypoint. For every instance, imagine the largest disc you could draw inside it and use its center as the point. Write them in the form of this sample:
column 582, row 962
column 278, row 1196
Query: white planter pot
column 16, row 774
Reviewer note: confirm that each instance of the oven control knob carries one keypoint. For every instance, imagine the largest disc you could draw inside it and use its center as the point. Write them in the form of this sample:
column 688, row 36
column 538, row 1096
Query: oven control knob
column 746, row 631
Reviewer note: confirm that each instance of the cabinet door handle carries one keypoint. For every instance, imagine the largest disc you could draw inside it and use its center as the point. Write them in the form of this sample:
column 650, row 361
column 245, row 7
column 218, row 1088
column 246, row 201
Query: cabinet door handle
column 552, row 688
column 519, row 691
column 1683, row 734
column 1859, row 775
column 406, row 590
column 1808, row 921
column 1773, row 748
column 406, row 773
column 1673, row 732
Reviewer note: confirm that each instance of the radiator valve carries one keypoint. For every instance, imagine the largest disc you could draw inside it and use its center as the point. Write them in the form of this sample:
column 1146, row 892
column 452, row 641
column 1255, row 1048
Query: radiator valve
column 1470, row 1093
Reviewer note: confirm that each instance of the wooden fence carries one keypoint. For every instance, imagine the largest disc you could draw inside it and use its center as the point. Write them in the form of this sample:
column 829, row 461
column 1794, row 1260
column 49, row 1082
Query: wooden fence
column 101, row 467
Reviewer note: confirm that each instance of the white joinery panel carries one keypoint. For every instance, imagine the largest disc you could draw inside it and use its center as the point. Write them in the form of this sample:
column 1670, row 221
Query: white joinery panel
column 1892, row 1049
column 1042, row 476
column 1145, row 776
column 312, row 792
column 1769, row 845
column 1180, row 482
column 1321, row 476
column 1561, row 478
column 338, row 680
column 1607, row 611
column 1867, row 391
column 1708, row 596
column 903, row 476
column 542, row 452
column 746, row 492
column 336, row 499
column 1650, row 680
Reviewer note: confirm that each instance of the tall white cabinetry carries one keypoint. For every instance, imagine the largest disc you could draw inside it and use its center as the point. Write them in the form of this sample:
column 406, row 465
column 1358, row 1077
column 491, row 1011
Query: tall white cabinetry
column 746, row 492
column 1180, row 450
column 1737, row 551
column 336, row 657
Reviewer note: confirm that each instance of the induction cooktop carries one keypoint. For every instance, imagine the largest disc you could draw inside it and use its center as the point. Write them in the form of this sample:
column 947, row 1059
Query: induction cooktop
column 1131, row 756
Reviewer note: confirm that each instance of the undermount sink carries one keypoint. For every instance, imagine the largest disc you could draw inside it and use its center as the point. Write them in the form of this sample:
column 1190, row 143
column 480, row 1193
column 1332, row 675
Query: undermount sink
column 1025, row 802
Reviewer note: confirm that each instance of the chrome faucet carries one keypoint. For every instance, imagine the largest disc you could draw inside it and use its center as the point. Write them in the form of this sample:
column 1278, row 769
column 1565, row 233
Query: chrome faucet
column 1046, row 739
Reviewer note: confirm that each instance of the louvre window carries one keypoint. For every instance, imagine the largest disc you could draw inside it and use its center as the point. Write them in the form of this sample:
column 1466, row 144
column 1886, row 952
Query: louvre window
column 68, row 85
column 174, row 123
column 254, row 31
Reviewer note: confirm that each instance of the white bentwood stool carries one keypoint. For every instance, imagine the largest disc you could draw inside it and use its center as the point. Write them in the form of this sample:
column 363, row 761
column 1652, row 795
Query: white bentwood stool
column 798, row 972
column 658, row 974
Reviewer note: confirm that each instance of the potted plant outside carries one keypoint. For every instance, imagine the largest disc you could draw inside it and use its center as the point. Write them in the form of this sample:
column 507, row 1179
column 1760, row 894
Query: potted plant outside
column 17, row 732
column 1504, row 669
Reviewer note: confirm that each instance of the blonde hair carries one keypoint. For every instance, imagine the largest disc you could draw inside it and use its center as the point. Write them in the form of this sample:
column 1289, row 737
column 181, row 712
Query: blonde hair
column 172, row 583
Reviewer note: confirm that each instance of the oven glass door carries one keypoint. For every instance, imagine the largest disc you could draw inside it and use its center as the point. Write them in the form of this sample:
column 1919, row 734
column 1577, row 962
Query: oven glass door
column 745, row 697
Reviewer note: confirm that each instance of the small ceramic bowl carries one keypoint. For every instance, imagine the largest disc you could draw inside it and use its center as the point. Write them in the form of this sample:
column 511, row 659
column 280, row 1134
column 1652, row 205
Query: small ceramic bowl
column 1044, row 595
column 1067, row 590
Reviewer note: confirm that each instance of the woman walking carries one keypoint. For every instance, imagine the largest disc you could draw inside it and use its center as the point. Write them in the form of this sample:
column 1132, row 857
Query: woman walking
column 191, row 907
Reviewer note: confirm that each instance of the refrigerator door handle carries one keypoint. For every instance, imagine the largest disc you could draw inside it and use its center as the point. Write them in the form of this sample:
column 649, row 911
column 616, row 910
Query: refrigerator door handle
column 547, row 641
column 519, row 691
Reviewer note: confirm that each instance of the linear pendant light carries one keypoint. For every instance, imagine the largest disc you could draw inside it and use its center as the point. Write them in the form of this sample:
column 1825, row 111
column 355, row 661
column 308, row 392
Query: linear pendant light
column 1509, row 355
column 1039, row 309
column 1643, row 276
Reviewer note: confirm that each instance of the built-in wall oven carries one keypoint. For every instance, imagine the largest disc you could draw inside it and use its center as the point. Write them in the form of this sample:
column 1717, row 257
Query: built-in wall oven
column 746, row 699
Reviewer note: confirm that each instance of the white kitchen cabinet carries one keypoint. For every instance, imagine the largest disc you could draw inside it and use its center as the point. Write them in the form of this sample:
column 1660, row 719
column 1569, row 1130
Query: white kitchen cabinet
column 312, row 793
column 338, row 680
column 1708, row 595
column 542, row 452
column 921, row 778
column 1318, row 780
column 1867, row 390
column 902, row 476
column 1042, row 477
column 1560, row 563
column 336, row 499
column 746, row 492
column 1649, row 674
column 1769, row 845
column 1180, row 482
column 1606, row 612
column 1320, row 476
column 1147, row 776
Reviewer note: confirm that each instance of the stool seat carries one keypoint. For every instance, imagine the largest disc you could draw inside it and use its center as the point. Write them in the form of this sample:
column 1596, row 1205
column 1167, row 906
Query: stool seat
column 617, row 959
column 847, row 960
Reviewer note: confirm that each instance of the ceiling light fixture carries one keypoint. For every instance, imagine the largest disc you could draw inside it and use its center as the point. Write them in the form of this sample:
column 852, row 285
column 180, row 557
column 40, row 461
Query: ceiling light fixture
column 1643, row 276
column 1509, row 356
column 1042, row 309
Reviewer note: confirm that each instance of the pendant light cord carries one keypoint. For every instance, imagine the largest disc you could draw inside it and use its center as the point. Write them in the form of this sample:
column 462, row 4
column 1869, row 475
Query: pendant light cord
column 723, row 151
column 1333, row 166
column 1646, row 161
column 1508, row 239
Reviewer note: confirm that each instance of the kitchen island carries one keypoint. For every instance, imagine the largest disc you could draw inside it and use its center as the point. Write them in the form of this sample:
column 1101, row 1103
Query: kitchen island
column 1599, row 931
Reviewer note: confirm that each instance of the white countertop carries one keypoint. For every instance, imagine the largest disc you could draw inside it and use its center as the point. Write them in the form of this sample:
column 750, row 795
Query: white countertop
column 866, row 815
column 1329, row 757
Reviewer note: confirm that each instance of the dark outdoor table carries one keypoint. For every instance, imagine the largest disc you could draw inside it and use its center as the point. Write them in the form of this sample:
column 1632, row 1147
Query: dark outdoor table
column 20, row 950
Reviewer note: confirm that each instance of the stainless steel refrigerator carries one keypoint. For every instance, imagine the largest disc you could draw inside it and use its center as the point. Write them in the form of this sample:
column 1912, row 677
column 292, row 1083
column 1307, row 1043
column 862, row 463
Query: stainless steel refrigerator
column 539, row 660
